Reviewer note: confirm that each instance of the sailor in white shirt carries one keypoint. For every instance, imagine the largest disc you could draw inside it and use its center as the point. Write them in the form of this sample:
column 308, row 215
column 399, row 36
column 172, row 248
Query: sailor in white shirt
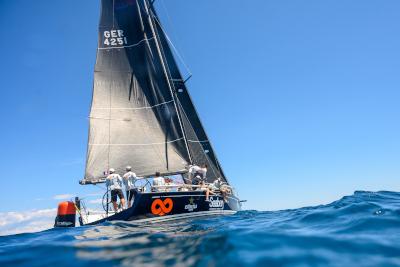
column 158, row 180
column 215, row 186
column 198, row 174
column 192, row 170
column 222, row 187
column 114, row 183
column 129, row 179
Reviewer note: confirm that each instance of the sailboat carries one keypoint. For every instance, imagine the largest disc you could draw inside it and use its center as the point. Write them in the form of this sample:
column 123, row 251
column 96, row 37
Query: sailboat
column 142, row 115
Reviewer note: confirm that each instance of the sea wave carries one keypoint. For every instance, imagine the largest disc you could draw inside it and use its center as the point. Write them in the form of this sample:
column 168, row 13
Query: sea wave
column 358, row 230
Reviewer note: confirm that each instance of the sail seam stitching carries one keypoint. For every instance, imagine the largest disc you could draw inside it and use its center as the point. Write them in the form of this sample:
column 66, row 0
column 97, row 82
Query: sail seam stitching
column 148, row 144
column 127, row 46
column 150, row 107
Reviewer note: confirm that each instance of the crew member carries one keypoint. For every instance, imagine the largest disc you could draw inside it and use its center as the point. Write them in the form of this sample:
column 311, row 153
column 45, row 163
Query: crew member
column 114, row 183
column 158, row 180
column 215, row 186
column 129, row 179
column 198, row 174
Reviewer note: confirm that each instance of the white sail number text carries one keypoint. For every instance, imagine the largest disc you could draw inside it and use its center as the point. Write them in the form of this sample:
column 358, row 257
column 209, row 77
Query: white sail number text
column 115, row 38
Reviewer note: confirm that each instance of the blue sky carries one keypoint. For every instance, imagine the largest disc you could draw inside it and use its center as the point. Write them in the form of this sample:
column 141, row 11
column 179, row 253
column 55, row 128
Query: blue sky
column 300, row 98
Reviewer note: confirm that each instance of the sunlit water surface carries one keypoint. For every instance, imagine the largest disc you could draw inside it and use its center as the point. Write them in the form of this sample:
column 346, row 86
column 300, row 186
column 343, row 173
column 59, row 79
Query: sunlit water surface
column 358, row 230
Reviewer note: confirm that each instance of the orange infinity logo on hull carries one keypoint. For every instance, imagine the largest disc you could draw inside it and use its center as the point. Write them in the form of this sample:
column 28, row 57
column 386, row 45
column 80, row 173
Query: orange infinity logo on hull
column 159, row 207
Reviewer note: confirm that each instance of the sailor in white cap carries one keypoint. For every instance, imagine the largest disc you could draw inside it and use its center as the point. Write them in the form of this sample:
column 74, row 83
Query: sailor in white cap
column 129, row 179
column 114, row 183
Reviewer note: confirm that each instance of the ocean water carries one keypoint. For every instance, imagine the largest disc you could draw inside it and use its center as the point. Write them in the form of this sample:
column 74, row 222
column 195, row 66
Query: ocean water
column 358, row 230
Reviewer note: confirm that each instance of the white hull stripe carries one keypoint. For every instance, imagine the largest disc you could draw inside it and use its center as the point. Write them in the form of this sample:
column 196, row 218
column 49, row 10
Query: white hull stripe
column 185, row 216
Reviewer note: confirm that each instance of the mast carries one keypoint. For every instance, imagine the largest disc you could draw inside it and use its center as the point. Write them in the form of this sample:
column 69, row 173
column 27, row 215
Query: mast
column 161, row 55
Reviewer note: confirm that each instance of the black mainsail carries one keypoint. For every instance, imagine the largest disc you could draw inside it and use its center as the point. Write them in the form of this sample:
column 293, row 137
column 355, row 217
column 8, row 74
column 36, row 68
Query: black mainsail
column 141, row 113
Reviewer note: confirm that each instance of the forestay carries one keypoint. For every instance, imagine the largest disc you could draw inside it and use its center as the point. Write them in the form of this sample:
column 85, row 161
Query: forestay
column 141, row 113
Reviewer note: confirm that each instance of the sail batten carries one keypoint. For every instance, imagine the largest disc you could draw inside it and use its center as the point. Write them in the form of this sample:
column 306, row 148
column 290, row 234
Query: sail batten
column 127, row 46
column 149, row 144
column 138, row 116
column 138, row 108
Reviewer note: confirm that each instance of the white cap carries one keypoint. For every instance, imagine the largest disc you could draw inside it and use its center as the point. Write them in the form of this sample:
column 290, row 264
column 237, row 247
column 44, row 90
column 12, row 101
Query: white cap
column 128, row 168
column 111, row 170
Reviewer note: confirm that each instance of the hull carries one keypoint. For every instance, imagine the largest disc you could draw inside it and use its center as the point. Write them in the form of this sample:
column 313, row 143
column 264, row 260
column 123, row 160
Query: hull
column 167, row 206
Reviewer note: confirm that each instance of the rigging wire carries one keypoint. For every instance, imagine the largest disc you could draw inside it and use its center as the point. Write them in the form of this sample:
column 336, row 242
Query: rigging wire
column 180, row 57
column 171, row 85
column 187, row 68
column 217, row 172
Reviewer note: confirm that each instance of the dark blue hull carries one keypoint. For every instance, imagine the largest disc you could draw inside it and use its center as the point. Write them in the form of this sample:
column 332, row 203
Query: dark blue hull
column 165, row 206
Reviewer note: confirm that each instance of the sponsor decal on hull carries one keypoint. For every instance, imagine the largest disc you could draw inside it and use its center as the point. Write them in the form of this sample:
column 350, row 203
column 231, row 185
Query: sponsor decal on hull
column 216, row 203
column 64, row 223
column 162, row 207
column 191, row 206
